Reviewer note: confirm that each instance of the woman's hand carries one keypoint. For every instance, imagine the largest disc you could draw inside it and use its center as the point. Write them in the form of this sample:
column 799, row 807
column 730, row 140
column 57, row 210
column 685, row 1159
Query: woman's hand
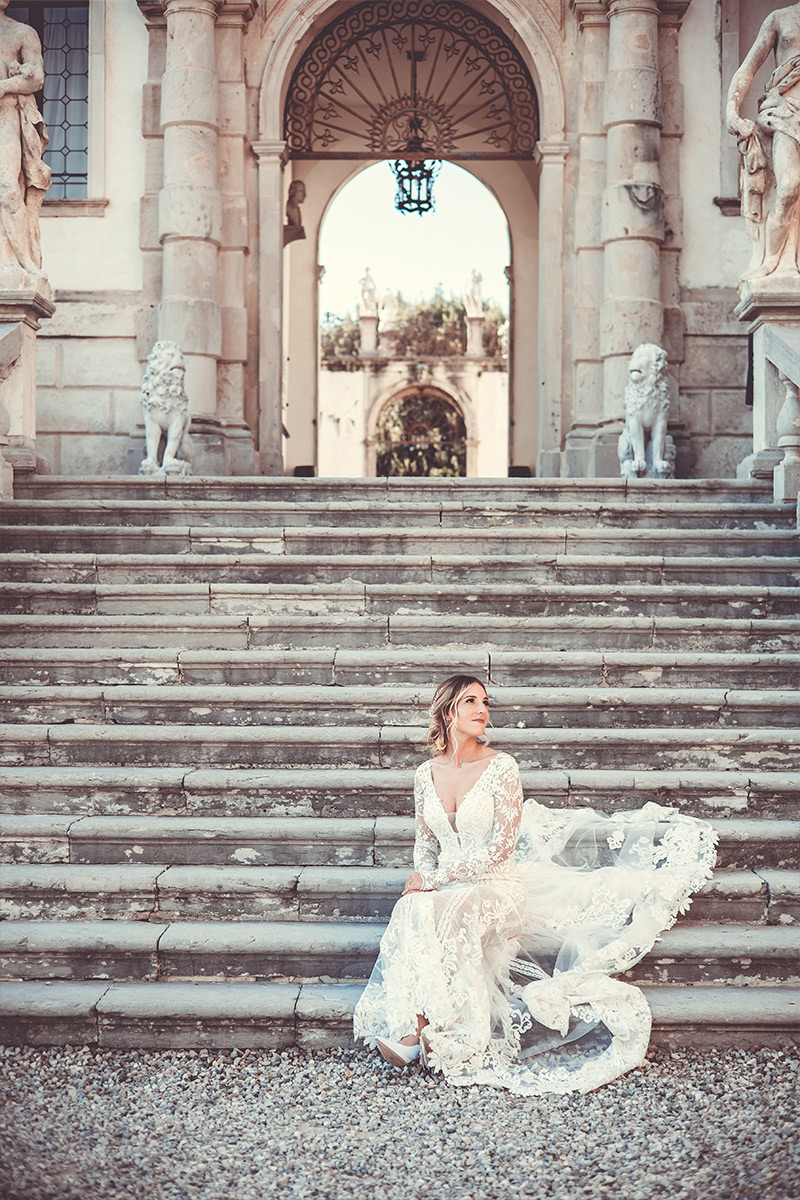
column 413, row 883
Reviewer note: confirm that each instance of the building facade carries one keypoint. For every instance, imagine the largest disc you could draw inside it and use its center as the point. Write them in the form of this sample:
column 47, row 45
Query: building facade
column 597, row 124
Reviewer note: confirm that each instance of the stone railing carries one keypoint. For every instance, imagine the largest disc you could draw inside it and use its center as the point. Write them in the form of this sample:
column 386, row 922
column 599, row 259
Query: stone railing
column 776, row 407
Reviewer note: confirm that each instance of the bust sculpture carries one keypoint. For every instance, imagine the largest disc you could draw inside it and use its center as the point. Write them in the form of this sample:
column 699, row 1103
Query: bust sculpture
column 770, row 146
column 24, row 176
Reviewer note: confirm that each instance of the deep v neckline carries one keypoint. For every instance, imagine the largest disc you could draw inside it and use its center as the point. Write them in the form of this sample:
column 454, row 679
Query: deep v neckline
column 468, row 792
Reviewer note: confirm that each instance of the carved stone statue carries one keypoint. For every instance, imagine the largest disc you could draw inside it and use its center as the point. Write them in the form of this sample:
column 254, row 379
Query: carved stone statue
column 368, row 304
column 166, row 406
column 388, row 312
column 473, row 300
column 293, row 230
column 770, row 146
column 24, row 177
column 644, row 447
column 504, row 337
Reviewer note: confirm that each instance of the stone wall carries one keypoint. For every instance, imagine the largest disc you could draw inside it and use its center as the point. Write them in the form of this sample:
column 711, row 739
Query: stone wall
column 88, row 376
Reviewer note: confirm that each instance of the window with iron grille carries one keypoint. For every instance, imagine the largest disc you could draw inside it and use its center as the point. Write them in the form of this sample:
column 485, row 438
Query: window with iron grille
column 63, row 30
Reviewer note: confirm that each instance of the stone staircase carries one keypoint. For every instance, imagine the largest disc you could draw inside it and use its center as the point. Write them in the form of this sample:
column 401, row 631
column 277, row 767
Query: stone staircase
column 214, row 695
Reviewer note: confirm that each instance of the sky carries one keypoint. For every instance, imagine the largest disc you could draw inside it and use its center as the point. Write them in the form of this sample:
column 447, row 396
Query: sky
column 409, row 253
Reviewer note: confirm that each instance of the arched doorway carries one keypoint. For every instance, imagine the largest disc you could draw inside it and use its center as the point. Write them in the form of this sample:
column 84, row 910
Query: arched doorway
column 349, row 98
column 421, row 431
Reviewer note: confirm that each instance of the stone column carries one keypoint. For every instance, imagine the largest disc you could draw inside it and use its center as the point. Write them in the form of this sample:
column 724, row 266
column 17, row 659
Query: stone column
column 633, row 203
column 271, row 161
column 189, row 208
column 551, row 157
column 587, row 411
column 232, row 149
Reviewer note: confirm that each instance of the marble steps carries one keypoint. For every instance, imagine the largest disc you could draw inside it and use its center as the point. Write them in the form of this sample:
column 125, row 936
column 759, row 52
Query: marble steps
column 369, row 706
column 334, row 604
column 761, row 804
column 507, row 542
column 54, row 665
column 299, row 841
column 469, row 571
column 382, row 491
column 211, row 1014
column 424, row 642
column 334, row 747
column 690, row 953
column 78, row 891
column 442, row 513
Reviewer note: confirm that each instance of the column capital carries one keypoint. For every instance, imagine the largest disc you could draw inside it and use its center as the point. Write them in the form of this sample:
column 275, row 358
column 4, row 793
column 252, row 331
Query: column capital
column 271, row 152
column 236, row 12
column 550, row 152
column 154, row 8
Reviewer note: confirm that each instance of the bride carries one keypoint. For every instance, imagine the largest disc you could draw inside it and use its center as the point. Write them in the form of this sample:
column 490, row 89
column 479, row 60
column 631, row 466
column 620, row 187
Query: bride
column 496, row 964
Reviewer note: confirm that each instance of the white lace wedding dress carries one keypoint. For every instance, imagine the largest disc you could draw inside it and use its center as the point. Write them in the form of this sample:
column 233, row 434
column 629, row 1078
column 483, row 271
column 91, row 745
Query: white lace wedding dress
column 526, row 914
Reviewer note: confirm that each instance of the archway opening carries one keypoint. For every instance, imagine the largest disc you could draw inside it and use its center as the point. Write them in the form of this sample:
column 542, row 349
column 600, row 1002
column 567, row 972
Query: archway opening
column 421, row 432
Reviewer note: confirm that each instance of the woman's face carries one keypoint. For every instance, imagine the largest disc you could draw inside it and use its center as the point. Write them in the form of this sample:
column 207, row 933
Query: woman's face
column 472, row 711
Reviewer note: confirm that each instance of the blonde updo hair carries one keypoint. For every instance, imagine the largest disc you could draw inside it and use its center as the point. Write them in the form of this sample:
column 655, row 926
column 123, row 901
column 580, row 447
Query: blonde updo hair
column 443, row 710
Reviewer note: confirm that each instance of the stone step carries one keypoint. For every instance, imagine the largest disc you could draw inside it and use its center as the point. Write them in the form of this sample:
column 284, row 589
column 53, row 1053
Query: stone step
column 506, row 542
column 306, row 950
column 334, row 747
column 207, row 1014
column 370, row 705
column 296, row 792
column 68, row 488
column 300, row 841
column 472, row 571
column 425, row 642
column 505, row 673
column 162, row 602
column 447, row 514
column 210, row 891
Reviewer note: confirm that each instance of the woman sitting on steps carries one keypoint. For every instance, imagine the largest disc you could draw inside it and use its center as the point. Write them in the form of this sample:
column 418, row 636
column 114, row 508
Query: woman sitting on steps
column 496, row 964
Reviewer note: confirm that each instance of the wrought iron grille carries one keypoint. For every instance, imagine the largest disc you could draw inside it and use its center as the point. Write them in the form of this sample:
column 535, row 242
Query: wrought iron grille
column 63, row 30
column 354, row 94
column 421, row 433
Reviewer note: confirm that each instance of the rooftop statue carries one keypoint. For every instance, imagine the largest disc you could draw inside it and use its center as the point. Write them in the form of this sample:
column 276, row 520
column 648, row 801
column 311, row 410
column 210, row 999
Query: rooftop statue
column 473, row 300
column 368, row 304
column 770, row 146
column 24, row 176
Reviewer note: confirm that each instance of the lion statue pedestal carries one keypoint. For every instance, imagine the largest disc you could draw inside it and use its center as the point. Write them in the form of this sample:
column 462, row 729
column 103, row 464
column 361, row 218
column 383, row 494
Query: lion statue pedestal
column 645, row 448
column 165, row 406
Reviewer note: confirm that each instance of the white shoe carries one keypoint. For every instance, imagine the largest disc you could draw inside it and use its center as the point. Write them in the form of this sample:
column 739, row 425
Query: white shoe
column 396, row 1053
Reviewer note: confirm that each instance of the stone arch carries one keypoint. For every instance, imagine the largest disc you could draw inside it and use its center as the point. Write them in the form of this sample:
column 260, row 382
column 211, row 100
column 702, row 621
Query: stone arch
column 300, row 23
column 533, row 187
column 398, row 397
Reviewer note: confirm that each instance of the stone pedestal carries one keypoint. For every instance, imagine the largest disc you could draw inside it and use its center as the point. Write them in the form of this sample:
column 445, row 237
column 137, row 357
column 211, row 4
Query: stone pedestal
column 591, row 450
column 369, row 335
column 474, row 337
column 771, row 313
column 20, row 314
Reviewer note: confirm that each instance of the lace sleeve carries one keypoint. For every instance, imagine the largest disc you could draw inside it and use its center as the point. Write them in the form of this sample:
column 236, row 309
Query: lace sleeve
column 426, row 844
column 502, row 840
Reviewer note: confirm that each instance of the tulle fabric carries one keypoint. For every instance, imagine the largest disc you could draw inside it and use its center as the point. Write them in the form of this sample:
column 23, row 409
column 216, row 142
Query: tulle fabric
column 527, row 912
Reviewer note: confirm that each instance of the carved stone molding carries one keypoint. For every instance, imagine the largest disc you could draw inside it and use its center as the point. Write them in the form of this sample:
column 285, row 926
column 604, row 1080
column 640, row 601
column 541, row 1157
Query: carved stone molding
column 393, row 72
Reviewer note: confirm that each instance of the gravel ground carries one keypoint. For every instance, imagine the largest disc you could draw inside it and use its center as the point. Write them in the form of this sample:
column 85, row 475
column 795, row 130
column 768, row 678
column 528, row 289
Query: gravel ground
column 210, row 1125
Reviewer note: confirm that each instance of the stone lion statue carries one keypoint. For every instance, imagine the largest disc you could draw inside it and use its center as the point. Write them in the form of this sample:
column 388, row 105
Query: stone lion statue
column 644, row 447
column 166, row 407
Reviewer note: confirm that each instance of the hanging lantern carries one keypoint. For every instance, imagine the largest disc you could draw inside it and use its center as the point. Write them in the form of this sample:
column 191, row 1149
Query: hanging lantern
column 415, row 178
